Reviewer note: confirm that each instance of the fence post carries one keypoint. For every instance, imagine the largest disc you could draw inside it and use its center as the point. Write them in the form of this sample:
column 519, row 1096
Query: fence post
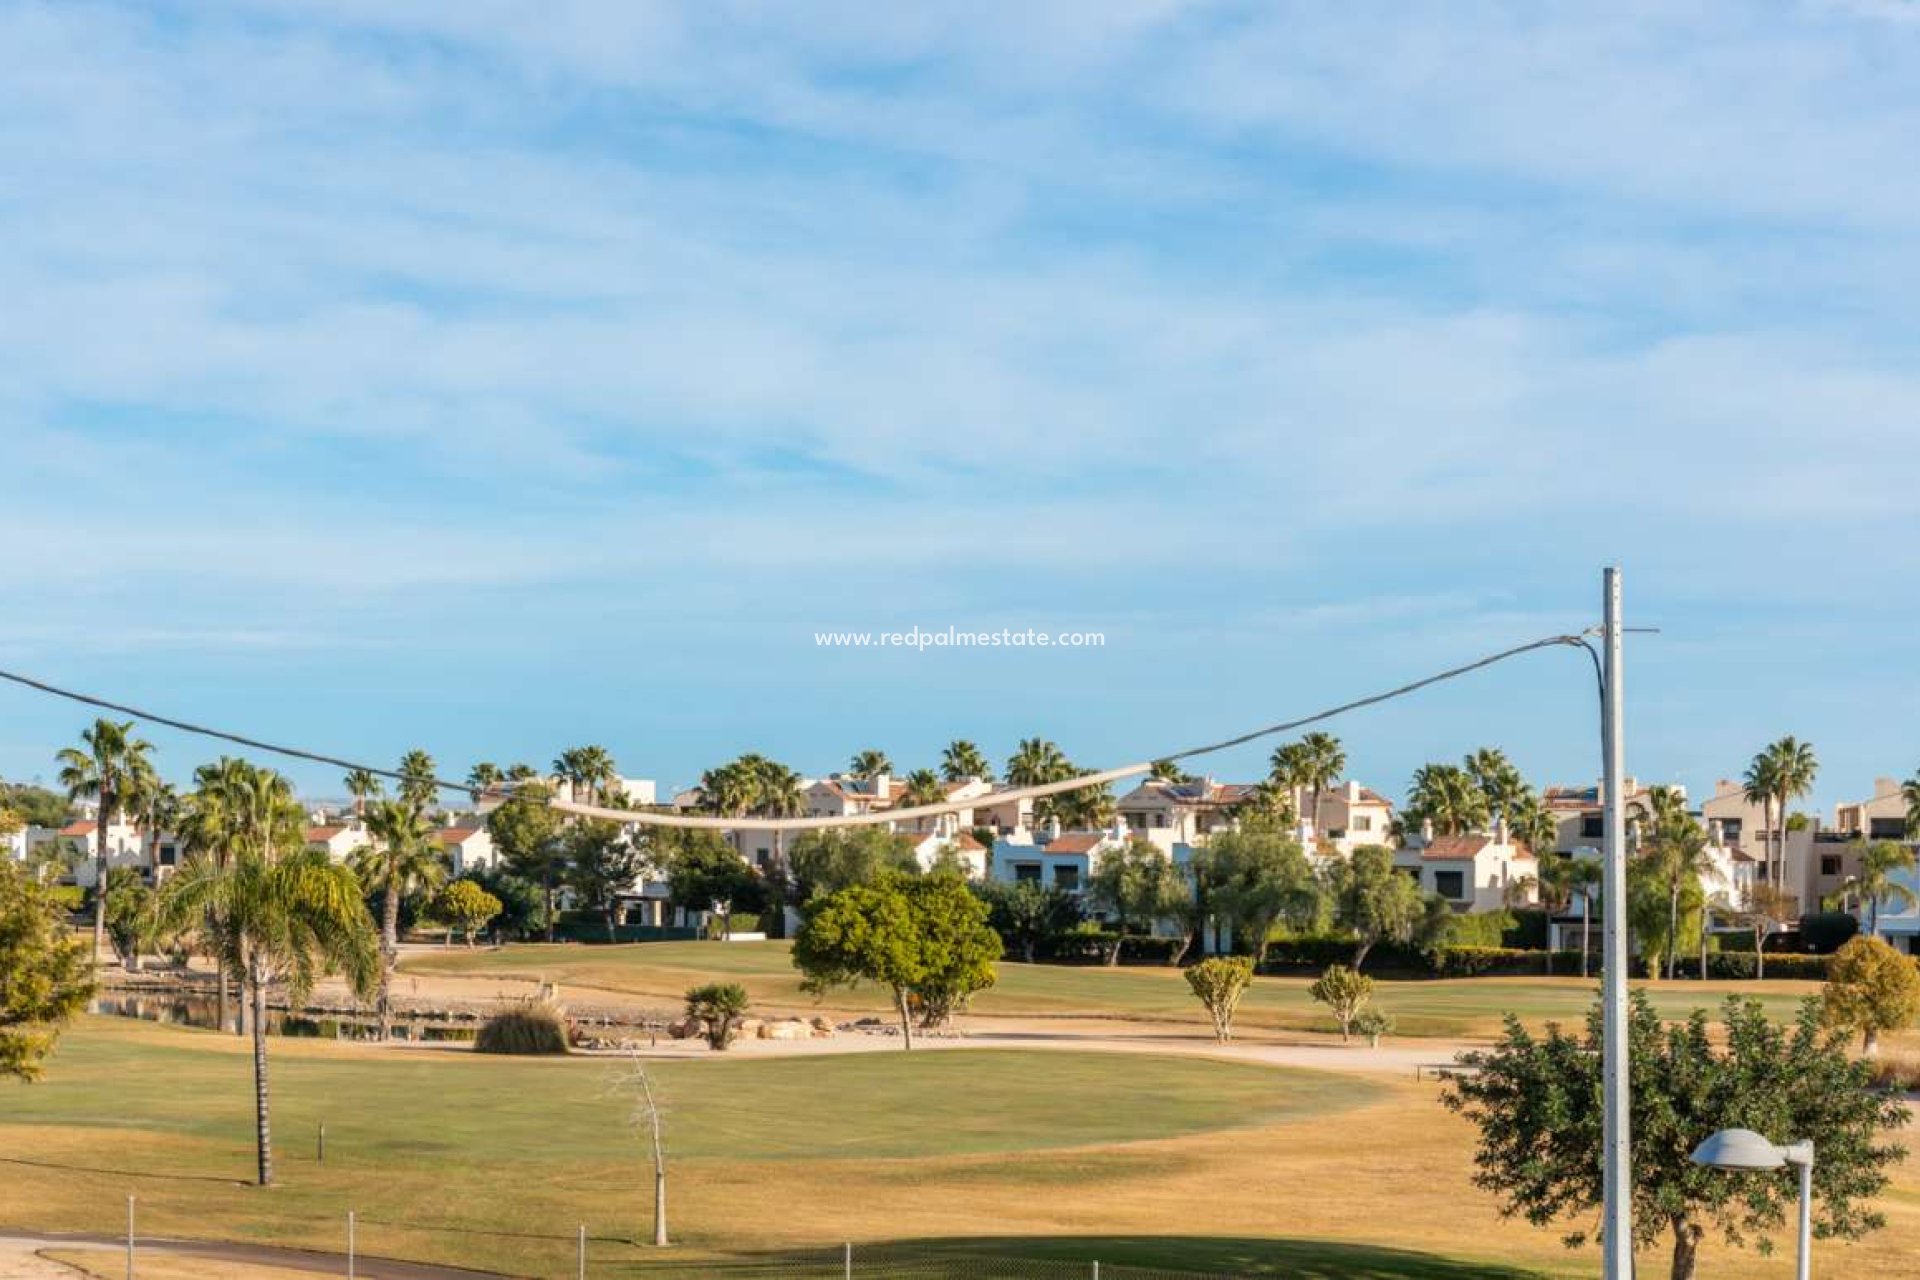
column 581, row 1267
column 129, row 1237
column 320, row 1143
column 1096, row 1269
column 847, row 1261
column 349, row 1244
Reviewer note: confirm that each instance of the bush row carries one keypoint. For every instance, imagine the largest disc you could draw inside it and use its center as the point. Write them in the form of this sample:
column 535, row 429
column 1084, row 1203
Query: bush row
column 1090, row 946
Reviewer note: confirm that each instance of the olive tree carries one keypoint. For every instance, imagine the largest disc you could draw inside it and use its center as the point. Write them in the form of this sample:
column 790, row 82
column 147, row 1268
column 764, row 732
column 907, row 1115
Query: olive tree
column 1537, row 1103
column 1345, row 992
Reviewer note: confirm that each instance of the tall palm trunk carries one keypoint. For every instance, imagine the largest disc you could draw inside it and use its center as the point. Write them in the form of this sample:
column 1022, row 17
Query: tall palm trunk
column 262, row 1123
column 1586, row 929
column 1673, row 929
column 222, row 1000
column 389, row 955
column 100, row 873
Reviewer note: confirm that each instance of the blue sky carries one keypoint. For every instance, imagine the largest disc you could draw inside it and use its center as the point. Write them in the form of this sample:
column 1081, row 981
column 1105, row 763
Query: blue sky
column 495, row 378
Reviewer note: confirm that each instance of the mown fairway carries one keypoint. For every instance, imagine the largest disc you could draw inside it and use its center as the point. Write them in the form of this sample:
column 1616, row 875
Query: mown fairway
column 658, row 973
column 492, row 1163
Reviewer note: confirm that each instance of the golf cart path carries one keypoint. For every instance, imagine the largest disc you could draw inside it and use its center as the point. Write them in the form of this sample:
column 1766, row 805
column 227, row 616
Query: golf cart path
column 20, row 1257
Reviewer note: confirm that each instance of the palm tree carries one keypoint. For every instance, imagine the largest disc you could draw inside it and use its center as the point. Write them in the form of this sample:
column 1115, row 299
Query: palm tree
column 1680, row 854
column 155, row 805
column 1532, row 824
column 1085, row 809
column 105, row 770
column 962, row 760
column 362, row 785
column 1447, row 796
column 589, row 771
column 1503, row 789
column 418, row 787
column 1910, row 791
column 1780, row 774
column 1036, row 761
column 1583, row 877
column 1287, row 768
column 923, row 787
column 729, row 789
column 1322, row 759
column 403, row 859
column 776, row 788
column 1876, row 883
column 869, row 764
column 482, row 778
column 1169, row 771
column 289, row 914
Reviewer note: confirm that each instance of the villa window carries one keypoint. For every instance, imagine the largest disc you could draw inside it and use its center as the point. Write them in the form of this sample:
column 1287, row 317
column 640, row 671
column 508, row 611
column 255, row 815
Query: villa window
column 1450, row 884
column 1066, row 877
column 1363, row 822
column 1886, row 828
column 1593, row 826
column 1829, row 864
column 1026, row 871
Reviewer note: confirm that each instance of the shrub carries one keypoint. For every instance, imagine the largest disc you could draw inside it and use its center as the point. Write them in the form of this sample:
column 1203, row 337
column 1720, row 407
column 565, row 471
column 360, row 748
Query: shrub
column 1344, row 992
column 531, row 1029
column 67, row 897
column 1373, row 1023
column 1898, row 1071
column 738, row 922
column 719, row 1006
column 1477, row 929
column 1219, row 983
column 1870, row 988
column 1740, row 964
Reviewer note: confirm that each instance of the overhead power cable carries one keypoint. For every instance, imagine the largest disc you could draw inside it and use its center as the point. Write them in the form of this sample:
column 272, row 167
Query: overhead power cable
column 991, row 799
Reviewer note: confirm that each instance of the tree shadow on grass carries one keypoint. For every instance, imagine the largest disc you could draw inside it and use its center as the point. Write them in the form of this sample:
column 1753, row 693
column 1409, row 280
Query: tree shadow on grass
column 216, row 1179
column 1121, row 1257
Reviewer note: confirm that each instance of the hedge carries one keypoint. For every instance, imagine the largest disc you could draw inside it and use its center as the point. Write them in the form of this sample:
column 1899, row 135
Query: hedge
column 1090, row 946
column 596, row 931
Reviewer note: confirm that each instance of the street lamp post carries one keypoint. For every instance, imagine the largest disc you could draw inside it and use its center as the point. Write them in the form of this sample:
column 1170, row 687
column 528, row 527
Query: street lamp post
column 1744, row 1150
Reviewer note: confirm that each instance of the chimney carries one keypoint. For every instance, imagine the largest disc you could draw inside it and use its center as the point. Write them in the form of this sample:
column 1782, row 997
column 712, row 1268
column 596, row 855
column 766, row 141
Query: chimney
column 1353, row 792
column 1426, row 831
column 1499, row 828
column 1717, row 833
column 1052, row 829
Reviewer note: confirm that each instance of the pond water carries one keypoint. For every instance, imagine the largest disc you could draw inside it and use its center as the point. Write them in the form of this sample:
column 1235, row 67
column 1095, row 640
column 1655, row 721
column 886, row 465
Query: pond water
column 203, row 1011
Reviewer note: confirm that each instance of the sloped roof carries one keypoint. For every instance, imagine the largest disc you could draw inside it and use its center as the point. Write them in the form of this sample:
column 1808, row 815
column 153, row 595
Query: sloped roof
column 1074, row 842
column 84, row 827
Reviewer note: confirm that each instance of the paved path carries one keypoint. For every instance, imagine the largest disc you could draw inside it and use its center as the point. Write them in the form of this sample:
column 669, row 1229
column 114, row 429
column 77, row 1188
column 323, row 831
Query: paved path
column 20, row 1260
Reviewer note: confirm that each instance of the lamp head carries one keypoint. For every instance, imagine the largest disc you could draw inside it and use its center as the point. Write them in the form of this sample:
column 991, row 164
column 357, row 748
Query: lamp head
column 1739, row 1149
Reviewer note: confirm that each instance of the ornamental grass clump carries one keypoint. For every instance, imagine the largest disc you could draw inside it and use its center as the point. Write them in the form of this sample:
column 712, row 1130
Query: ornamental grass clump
column 532, row 1029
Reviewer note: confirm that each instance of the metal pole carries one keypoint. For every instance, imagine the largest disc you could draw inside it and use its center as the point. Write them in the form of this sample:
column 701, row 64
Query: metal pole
column 320, row 1144
column 847, row 1256
column 349, row 1244
column 581, row 1269
column 129, row 1238
column 1804, row 1271
column 1617, row 1154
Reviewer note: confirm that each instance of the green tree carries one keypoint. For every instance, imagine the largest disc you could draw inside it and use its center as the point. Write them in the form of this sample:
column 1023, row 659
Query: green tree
column 718, row 1006
column 1257, row 877
column 1027, row 914
column 37, row 806
column 1082, row 809
column 1447, row 796
column 402, row 859
column 824, row 862
column 1345, row 992
column 962, row 760
column 705, row 874
column 1375, row 901
column 289, row 915
column 1870, row 988
column 44, row 976
column 1910, row 792
column 1678, row 858
column 869, row 764
column 1168, row 771
column 1136, row 884
column 1768, row 910
column 923, row 938
column 602, row 864
column 1219, row 982
column 104, row 768
column 466, row 905
column 959, row 951
column 1537, row 1104
column 527, row 833
column 1036, row 762
column 1878, row 881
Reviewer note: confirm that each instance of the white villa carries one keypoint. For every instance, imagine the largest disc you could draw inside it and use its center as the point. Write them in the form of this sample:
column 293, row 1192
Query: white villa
column 1483, row 871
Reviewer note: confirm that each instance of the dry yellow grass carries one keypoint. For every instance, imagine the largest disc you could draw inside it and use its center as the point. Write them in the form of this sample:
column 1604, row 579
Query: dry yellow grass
column 108, row 1264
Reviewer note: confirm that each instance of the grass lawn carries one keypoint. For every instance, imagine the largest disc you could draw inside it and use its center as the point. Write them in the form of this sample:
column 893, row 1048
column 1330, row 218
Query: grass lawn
column 453, row 1157
column 659, row 972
